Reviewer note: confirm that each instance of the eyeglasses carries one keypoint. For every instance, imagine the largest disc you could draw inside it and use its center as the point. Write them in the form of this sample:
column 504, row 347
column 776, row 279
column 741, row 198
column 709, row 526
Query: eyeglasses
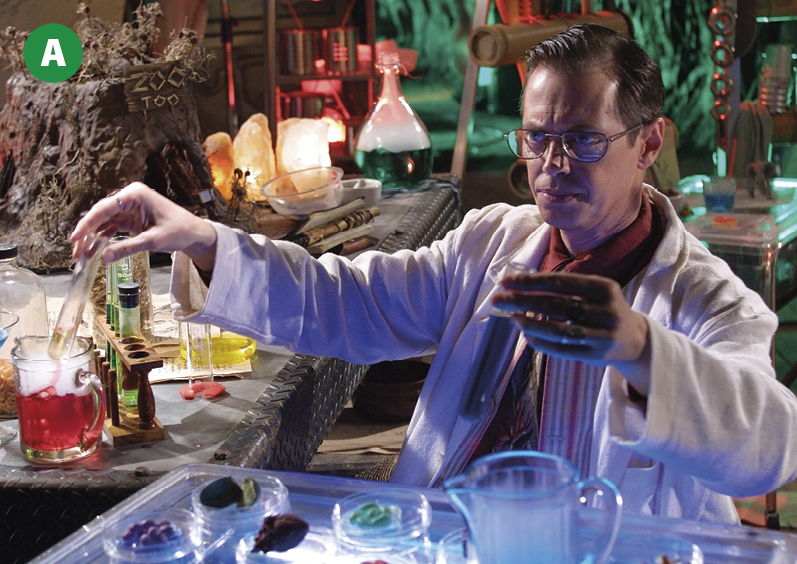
column 583, row 146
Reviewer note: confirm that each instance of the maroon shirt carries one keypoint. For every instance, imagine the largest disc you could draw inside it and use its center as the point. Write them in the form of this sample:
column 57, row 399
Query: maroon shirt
column 621, row 257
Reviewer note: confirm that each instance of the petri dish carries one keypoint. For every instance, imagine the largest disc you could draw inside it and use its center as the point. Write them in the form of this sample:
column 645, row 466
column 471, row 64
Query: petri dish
column 154, row 538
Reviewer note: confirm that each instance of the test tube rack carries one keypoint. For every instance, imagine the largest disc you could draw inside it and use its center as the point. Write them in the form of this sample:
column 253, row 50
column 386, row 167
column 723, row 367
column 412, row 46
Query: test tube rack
column 125, row 425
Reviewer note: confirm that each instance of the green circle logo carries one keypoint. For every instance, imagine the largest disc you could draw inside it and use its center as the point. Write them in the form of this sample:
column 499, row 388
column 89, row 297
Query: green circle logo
column 53, row 53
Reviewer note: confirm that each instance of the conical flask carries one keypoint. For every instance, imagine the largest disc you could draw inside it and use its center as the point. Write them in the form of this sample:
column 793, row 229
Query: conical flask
column 393, row 145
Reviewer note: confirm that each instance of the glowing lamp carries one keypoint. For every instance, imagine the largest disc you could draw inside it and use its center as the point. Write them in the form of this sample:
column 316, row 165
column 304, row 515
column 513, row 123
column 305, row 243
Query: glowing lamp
column 337, row 131
column 218, row 150
column 252, row 152
column 302, row 143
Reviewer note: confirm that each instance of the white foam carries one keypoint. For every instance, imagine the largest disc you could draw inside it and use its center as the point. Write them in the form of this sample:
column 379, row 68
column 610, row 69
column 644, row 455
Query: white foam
column 394, row 128
column 41, row 372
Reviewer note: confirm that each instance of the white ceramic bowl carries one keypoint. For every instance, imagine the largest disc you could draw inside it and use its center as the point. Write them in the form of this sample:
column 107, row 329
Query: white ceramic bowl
column 368, row 188
column 296, row 195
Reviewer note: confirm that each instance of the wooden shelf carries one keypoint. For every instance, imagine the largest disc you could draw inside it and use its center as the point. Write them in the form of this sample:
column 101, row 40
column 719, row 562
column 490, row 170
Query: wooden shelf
column 348, row 77
column 357, row 94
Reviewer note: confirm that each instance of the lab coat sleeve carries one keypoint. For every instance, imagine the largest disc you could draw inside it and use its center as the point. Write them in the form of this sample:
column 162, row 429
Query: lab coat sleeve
column 715, row 408
column 377, row 306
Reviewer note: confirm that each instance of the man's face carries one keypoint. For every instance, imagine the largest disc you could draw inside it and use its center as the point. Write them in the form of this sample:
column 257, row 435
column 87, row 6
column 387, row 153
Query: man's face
column 587, row 201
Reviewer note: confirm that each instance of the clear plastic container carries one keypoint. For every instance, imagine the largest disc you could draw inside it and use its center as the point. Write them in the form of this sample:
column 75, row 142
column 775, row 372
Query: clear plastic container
column 318, row 547
column 642, row 538
column 246, row 521
column 747, row 229
column 22, row 293
column 628, row 548
column 389, row 524
column 176, row 538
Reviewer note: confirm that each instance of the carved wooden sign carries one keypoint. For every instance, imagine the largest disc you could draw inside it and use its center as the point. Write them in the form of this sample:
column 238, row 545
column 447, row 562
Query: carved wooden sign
column 159, row 85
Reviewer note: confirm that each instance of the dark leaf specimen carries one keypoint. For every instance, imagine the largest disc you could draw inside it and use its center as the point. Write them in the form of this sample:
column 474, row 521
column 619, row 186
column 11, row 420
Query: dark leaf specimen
column 280, row 533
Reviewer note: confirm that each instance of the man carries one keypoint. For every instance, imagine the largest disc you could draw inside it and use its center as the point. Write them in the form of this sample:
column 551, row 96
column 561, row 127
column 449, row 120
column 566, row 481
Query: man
column 648, row 359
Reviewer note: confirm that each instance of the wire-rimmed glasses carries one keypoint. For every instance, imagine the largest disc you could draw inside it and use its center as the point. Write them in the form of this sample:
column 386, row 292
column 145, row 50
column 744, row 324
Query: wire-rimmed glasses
column 582, row 146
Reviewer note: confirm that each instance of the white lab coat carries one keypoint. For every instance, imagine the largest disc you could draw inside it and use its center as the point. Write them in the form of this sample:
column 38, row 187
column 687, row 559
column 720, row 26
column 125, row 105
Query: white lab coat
column 717, row 424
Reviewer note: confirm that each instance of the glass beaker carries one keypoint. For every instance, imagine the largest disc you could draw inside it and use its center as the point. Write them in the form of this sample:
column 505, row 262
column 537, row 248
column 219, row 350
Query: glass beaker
column 195, row 339
column 228, row 347
column 719, row 193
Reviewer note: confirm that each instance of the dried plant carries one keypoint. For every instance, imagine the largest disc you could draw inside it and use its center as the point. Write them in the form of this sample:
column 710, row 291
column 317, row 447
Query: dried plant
column 12, row 43
column 186, row 48
column 109, row 47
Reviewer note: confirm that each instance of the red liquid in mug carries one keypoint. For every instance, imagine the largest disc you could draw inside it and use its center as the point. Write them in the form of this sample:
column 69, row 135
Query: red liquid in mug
column 51, row 422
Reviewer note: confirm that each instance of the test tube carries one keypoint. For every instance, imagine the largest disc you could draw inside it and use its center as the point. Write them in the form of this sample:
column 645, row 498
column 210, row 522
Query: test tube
column 77, row 295
column 197, row 339
column 121, row 271
column 129, row 333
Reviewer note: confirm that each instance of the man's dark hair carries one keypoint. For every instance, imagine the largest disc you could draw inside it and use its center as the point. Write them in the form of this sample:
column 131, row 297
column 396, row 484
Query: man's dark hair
column 640, row 92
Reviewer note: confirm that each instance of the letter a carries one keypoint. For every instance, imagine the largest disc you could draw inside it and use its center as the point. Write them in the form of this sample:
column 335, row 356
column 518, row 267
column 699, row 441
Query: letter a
column 53, row 53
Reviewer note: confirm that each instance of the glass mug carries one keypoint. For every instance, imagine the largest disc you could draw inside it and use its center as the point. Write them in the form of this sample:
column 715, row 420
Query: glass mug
column 523, row 506
column 60, row 402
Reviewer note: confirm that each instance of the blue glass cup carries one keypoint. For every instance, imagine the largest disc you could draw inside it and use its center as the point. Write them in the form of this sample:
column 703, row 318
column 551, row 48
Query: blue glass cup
column 719, row 193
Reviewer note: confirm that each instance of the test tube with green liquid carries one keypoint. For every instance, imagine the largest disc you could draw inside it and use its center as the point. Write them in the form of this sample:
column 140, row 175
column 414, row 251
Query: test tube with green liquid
column 121, row 272
column 129, row 333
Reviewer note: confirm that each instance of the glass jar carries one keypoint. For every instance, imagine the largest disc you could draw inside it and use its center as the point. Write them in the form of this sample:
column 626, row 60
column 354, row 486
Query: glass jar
column 393, row 145
column 8, row 399
column 21, row 293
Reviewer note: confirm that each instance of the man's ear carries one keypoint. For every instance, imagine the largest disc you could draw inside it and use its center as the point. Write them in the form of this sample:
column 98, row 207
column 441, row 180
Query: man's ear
column 652, row 136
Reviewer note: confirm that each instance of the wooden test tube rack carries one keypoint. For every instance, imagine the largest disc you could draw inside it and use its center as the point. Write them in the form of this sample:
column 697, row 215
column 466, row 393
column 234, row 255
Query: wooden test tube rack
column 138, row 425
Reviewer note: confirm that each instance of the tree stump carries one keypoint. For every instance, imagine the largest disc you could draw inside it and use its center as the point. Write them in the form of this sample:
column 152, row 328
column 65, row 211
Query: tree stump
column 64, row 146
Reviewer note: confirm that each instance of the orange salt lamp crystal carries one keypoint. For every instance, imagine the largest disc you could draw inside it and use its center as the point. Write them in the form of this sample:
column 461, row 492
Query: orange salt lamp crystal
column 253, row 152
column 302, row 143
column 218, row 150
